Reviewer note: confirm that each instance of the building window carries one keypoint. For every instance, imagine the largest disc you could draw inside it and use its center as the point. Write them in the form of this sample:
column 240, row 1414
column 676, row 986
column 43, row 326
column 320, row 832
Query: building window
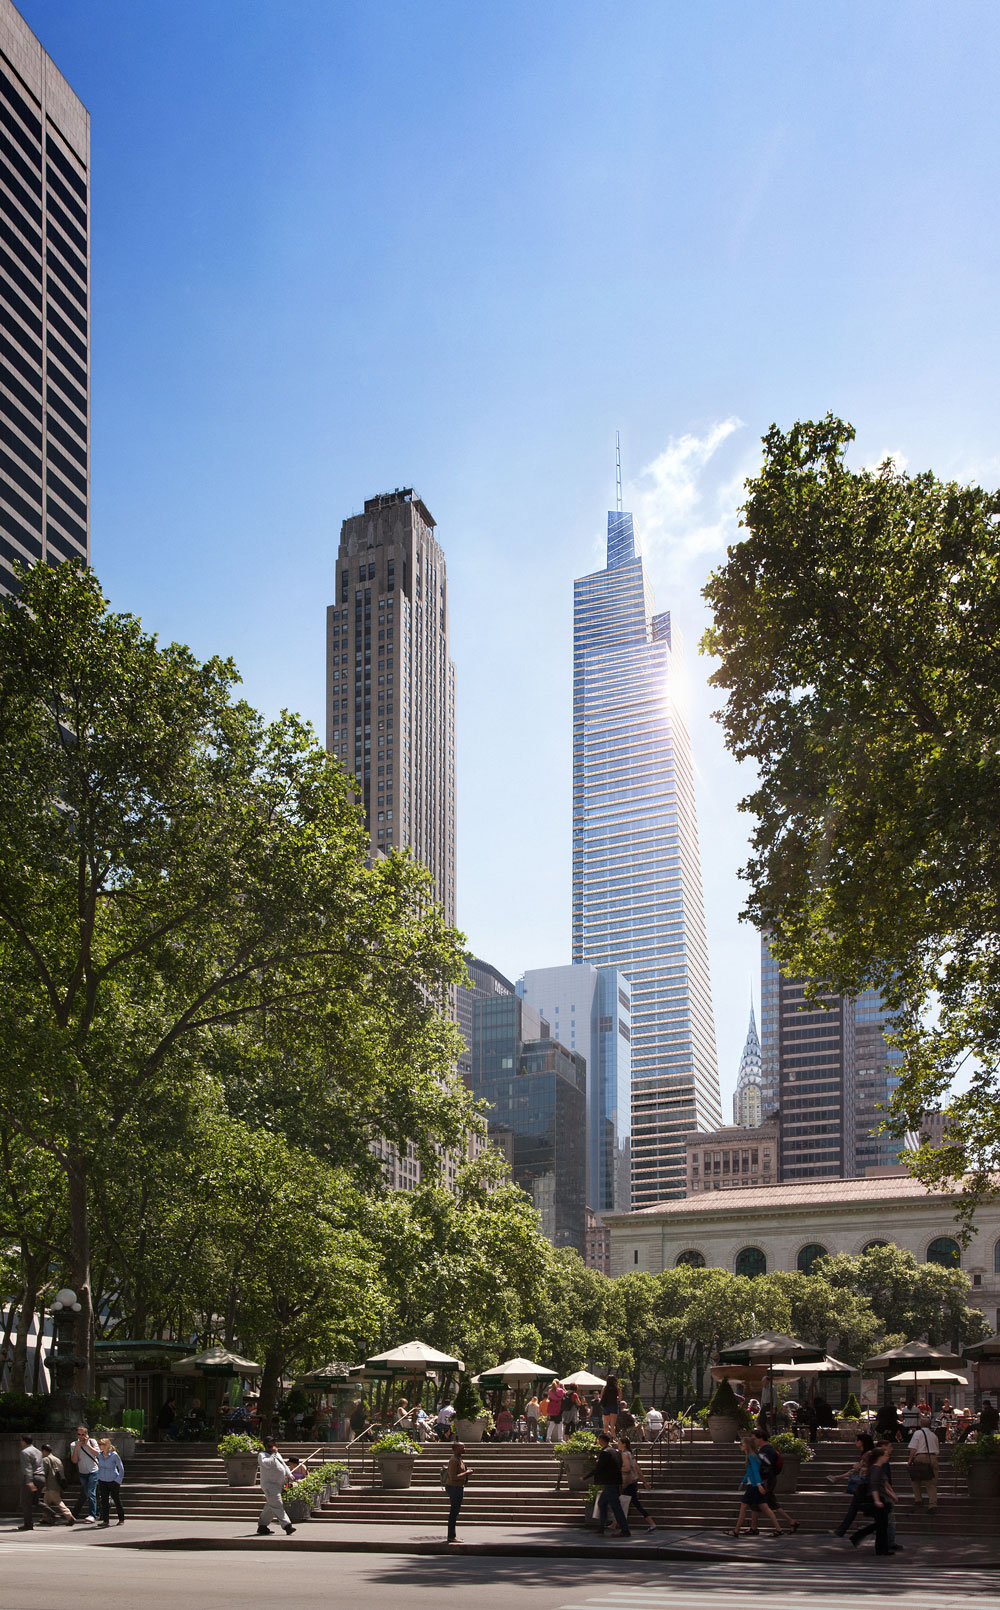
column 635, row 1255
column 996, row 1262
column 751, row 1262
column 690, row 1260
column 946, row 1252
column 872, row 1246
column 807, row 1257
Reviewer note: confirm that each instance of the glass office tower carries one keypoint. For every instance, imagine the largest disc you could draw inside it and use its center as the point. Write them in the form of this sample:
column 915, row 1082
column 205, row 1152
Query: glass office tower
column 637, row 896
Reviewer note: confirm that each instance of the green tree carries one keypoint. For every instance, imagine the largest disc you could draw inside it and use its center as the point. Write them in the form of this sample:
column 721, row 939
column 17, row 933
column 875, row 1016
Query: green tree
column 909, row 1300
column 571, row 1321
column 857, row 626
column 178, row 877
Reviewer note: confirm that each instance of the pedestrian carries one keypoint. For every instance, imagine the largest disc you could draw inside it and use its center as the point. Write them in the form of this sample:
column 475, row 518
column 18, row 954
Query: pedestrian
column 531, row 1411
column 607, row 1473
column 652, row 1425
column 887, row 1423
column 554, row 1432
column 456, row 1476
column 596, row 1412
column 166, row 1421
column 883, row 1498
column 922, row 1453
column 989, row 1419
column 754, row 1496
column 110, row 1475
column 570, row 1412
column 631, row 1477
column 274, row 1475
column 611, row 1402
column 856, row 1479
column 32, row 1481
column 84, row 1454
column 54, row 1482
column 770, row 1468
column 505, row 1425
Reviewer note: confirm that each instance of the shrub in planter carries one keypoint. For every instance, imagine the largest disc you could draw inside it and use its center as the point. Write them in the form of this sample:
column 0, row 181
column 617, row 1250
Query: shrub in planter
column 24, row 1411
column 296, row 1502
column 576, row 1456
column 395, row 1453
column 240, row 1454
column 979, row 1463
column 470, row 1412
column 723, row 1413
column 794, row 1453
column 851, row 1409
column 636, row 1409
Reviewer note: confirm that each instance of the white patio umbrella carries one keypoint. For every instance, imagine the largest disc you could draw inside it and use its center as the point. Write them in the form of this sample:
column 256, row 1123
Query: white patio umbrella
column 516, row 1372
column 413, row 1358
column 583, row 1378
column 927, row 1377
column 217, row 1361
column 827, row 1366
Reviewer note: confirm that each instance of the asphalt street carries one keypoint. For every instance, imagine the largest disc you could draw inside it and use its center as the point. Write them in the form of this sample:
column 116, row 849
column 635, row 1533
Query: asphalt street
column 34, row 1576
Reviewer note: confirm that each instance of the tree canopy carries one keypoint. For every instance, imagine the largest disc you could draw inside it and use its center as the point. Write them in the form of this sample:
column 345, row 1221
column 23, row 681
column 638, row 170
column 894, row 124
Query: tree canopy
column 857, row 625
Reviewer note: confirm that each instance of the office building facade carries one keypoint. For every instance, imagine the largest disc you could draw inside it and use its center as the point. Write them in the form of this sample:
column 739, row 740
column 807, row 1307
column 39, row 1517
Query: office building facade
column 44, row 308
column 876, row 1077
column 637, row 893
column 536, row 1090
column 590, row 1010
column 390, row 684
column 809, row 1075
column 738, row 1155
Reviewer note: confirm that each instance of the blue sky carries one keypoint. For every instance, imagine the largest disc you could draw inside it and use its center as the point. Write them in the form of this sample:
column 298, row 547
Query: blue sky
column 343, row 248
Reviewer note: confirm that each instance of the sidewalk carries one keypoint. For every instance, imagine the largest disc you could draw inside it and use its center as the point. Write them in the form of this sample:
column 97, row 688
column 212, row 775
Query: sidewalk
column 522, row 1542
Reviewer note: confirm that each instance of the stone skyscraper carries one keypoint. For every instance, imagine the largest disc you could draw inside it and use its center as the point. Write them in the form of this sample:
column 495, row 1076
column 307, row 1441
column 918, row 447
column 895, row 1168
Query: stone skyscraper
column 390, row 683
column 44, row 307
column 637, row 894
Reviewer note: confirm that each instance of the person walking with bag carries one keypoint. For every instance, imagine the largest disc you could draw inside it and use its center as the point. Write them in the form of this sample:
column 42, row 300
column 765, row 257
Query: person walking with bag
column 55, row 1480
column 607, row 1473
column 856, row 1480
column 456, row 1477
column 631, row 1477
column 922, row 1456
column 110, row 1475
column 882, row 1497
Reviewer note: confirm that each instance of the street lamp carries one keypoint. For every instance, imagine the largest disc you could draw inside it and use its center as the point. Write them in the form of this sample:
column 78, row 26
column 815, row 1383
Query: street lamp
column 65, row 1405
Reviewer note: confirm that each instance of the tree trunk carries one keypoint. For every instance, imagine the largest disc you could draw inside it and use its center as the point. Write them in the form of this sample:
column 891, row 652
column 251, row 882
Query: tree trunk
column 37, row 1375
column 29, row 1291
column 79, row 1273
column 269, row 1389
column 8, row 1331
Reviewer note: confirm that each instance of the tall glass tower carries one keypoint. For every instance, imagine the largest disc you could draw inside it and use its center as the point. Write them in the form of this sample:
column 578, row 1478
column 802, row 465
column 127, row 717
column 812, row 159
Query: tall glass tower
column 637, row 896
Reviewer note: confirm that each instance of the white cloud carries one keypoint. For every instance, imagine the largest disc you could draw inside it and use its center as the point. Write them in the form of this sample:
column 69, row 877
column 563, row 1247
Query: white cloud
column 685, row 506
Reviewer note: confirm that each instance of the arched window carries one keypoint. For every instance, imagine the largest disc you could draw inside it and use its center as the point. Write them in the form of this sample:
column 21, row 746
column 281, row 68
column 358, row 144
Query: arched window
column 807, row 1257
column 946, row 1252
column 996, row 1259
column 696, row 1260
column 870, row 1246
column 751, row 1262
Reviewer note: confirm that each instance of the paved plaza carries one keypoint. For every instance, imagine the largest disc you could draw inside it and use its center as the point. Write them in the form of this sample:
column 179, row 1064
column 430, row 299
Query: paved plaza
column 164, row 1567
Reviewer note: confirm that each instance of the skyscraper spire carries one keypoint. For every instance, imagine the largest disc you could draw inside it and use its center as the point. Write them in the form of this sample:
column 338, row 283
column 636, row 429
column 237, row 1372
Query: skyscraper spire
column 618, row 468
column 747, row 1105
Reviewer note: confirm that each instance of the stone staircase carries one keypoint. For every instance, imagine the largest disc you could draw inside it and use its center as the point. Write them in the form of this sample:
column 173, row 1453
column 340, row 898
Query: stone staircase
column 514, row 1484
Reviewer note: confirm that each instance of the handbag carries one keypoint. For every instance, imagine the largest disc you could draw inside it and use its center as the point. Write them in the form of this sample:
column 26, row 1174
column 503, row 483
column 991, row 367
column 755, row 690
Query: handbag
column 922, row 1469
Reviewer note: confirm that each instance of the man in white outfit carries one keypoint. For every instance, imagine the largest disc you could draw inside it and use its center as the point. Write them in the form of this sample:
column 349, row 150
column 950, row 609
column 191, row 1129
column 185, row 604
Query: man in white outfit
column 274, row 1475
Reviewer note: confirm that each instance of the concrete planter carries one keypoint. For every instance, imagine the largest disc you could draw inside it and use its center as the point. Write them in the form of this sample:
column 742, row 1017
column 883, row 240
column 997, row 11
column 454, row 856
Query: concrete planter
column 983, row 1478
column 297, row 1509
column 577, row 1467
column 723, row 1427
column 397, row 1469
column 470, row 1430
column 788, row 1475
column 241, row 1469
column 344, row 1481
column 849, row 1430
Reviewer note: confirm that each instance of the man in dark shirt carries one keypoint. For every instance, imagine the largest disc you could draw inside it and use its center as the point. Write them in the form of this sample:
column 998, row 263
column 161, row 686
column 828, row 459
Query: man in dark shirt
column 607, row 1473
column 882, row 1496
column 989, row 1419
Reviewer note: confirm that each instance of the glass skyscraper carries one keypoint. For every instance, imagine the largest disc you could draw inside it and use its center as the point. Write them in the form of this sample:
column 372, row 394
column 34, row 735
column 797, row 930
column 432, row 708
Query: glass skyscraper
column 637, row 895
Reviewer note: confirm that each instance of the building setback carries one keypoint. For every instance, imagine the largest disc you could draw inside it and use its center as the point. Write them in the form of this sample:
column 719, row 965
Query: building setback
column 44, row 308
column 590, row 1009
column 390, row 682
column 637, row 894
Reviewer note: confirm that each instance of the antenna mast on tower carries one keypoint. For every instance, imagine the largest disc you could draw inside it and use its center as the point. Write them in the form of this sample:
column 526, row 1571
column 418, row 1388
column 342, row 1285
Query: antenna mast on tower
column 618, row 468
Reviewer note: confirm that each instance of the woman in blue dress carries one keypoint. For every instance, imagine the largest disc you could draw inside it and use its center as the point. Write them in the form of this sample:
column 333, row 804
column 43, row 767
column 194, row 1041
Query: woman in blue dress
column 754, row 1499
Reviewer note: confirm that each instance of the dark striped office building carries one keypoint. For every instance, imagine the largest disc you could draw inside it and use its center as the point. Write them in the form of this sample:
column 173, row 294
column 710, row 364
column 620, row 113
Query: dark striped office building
column 44, row 307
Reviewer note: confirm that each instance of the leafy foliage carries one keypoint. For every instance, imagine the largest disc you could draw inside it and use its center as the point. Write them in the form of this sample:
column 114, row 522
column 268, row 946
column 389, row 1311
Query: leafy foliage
column 857, row 626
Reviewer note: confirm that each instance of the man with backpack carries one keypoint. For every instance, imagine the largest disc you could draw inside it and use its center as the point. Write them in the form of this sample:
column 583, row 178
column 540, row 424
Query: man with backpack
column 770, row 1469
